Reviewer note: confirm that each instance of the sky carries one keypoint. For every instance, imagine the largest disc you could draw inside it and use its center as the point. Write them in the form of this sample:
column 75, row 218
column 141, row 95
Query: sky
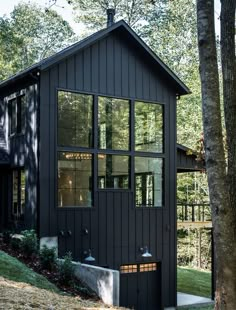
column 62, row 8
column 65, row 10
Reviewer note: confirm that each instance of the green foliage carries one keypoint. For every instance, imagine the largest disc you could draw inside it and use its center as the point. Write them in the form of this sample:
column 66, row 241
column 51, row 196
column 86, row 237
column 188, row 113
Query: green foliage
column 29, row 35
column 210, row 307
column 192, row 188
column 47, row 258
column 29, row 242
column 66, row 270
column 190, row 252
column 195, row 282
column 7, row 236
column 15, row 243
column 12, row 269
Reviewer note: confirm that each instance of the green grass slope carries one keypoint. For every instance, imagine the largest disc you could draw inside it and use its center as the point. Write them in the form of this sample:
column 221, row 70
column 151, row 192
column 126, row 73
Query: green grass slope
column 12, row 269
column 195, row 282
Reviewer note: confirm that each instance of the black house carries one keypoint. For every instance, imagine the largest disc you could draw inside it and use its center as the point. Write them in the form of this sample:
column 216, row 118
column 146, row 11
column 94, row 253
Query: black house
column 88, row 155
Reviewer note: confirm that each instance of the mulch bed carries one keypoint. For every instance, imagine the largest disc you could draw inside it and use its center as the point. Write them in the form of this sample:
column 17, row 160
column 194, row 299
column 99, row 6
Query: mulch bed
column 76, row 288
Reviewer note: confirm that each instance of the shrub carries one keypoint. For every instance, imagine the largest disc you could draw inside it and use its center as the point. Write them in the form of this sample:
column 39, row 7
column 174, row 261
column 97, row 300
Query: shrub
column 47, row 258
column 15, row 243
column 6, row 237
column 66, row 270
column 29, row 243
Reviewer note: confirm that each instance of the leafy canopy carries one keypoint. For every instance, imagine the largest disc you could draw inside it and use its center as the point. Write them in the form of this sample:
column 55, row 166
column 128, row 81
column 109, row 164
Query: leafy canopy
column 29, row 35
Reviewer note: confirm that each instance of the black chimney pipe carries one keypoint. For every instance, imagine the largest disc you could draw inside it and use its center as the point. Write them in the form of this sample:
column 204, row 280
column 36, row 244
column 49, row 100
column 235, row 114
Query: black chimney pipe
column 110, row 16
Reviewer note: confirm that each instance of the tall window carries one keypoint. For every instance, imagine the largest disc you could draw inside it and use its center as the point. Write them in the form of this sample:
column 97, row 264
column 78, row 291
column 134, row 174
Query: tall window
column 18, row 194
column 148, row 181
column 148, row 127
column 17, row 109
column 75, row 113
column 74, row 179
column 113, row 123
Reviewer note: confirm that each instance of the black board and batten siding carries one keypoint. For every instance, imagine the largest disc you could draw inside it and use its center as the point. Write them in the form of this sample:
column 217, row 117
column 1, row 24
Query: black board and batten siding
column 116, row 229
column 22, row 154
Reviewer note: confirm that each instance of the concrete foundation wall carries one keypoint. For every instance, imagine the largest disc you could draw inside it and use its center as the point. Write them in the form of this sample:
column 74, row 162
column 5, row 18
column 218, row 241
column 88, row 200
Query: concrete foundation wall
column 105, row 282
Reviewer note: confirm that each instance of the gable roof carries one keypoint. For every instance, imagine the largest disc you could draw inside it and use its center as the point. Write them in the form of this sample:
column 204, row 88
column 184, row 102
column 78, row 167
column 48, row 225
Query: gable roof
column 123, row 28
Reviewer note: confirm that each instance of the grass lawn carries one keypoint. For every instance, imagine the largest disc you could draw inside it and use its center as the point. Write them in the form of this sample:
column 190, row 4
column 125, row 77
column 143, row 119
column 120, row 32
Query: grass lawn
column 12, row 269
column 196, row 308
column 195, row 282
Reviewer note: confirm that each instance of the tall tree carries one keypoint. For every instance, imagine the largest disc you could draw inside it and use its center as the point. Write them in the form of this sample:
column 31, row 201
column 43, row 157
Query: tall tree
column 29, row 35
column 220, row 161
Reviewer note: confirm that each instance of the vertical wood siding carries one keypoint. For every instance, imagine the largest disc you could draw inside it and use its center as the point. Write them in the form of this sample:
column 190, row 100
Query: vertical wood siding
column 116, row 229
column 23, row 149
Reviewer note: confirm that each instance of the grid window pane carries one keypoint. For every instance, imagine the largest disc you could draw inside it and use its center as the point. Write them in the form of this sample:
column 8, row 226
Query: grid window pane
column 128, row 269
column 113, row 171
column 148, row 181
column 74, row 179
column 148, row 267
column 148, row 127
column 75, row 116
column 113, row 123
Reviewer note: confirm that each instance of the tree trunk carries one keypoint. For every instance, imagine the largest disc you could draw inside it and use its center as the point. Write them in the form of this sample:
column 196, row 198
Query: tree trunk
column 221, row 190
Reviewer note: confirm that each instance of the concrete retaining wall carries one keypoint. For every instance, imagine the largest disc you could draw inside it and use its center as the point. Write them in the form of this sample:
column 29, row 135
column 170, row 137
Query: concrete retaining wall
column 105, row 282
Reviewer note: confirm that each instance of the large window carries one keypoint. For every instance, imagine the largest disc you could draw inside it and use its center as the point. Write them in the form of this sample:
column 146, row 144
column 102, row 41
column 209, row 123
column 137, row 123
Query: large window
column 75, row 113
column 74, row 179
column 105, row 151
column 17, row 109
column 148, row 181
column 113, row 123
column 113, row 171
column 18, row 194
column 148, row 127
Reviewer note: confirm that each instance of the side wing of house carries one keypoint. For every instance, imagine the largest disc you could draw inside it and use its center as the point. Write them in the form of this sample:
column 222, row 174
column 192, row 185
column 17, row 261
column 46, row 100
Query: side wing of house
column 18, row 156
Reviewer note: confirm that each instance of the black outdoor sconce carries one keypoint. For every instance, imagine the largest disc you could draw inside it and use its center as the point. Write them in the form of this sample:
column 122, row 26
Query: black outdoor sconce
column 145, row 252
column 89, row 258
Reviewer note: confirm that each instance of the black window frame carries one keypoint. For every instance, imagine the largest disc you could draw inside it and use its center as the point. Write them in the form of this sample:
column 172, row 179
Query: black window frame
column 95, row 151
column 20, row 122
column 18, row 171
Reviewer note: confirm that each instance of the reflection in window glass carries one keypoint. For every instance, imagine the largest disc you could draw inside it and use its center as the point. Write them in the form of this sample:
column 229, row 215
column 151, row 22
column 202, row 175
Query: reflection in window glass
column 15, row 193
column 13, row 116
column 18, row 194
column 74, row 179
column 148, row 181
column 21, row 114
column 113, row 171
column 22, row 194
column 148, row 127
column 113, row 123
column 75, row 119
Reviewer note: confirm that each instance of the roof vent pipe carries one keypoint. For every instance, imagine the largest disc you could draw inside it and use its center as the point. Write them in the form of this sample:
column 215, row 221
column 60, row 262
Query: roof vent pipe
column 110, row 17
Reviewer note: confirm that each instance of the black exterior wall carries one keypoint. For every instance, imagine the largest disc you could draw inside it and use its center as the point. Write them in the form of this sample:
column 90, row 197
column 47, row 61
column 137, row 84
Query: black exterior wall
column 23, row 154
column 116, row 228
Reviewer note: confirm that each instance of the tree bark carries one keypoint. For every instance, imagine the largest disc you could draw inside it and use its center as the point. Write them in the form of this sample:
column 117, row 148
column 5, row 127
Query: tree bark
column 221, row 181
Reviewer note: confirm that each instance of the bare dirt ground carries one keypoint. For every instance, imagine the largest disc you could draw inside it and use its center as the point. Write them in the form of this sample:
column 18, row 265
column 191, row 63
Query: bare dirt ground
column 22, row 296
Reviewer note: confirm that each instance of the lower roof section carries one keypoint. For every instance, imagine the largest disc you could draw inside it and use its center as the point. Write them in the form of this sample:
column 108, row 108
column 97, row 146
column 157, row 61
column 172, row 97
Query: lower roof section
column 187, row 160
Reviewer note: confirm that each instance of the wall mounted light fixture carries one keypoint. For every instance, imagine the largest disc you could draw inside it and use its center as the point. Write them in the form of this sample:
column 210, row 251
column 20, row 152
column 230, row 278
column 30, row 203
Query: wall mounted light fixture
column 145, row 252
column 89, row 258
